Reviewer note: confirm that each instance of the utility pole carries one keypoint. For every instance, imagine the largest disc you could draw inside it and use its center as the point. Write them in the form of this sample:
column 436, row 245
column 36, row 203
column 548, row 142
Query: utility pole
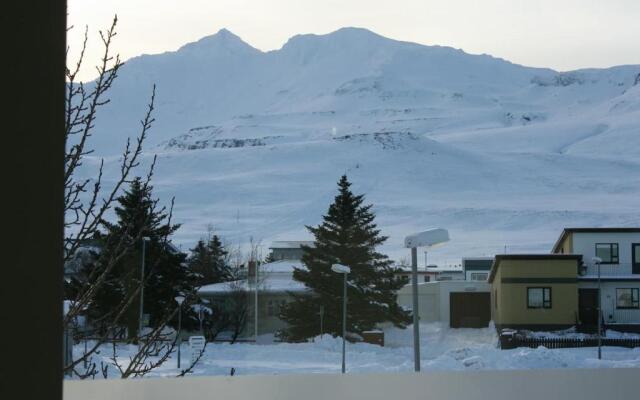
column 344, row 270
column 599, row 314
column 140, row 317
column 179, row 300
column 321, row 320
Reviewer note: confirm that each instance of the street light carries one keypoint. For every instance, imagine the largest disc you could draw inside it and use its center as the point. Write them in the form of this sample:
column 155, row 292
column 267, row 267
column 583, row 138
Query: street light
column 144, row 250
column 179, row 299
column 429, row 238
column 343, row 269
column 256, row 266
column 598, row 261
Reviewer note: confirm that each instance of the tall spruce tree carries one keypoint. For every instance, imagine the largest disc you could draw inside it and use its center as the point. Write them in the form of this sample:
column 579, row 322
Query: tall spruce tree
column 166, row 274
column 348, row 236
column 208, row 262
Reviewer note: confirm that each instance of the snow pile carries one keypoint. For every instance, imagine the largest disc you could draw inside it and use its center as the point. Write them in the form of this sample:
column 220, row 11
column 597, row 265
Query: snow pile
column 442, row 348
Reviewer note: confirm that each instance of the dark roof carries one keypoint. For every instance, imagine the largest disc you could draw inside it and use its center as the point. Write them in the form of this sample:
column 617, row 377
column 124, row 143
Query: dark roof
column 567, row 231
column 500, row 257
column 477, row 264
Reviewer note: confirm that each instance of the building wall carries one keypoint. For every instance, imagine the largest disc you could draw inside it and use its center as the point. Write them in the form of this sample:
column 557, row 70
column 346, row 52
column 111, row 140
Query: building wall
column 286, row 254
column 433, row 297
column 476, row 265
column 269, row 323
column 566, row 246
column 584, row 244
column 450, row 276
column 611, row 314
column 496, row 298
column 515, row 276
column 422, row 276
column 428, row 300
column 468, row 274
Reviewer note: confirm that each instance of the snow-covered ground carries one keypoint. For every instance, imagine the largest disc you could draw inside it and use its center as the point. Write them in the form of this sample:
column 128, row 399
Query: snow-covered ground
column 442, row 349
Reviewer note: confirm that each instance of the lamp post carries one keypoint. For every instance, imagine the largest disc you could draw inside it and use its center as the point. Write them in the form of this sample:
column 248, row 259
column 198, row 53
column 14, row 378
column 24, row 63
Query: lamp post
column 321, row 313
column 343, row 269
column 429, row 238
column 179, row 300
column 144, row 250
column 598, row 261
column 255, row 306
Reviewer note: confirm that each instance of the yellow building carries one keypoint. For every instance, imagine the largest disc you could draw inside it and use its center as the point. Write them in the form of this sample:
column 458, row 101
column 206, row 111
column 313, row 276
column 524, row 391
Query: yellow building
column 534, row 291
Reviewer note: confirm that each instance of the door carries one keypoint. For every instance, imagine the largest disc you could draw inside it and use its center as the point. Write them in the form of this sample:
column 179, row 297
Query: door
column 635, row 258
column 588, row 307
column 469, row 310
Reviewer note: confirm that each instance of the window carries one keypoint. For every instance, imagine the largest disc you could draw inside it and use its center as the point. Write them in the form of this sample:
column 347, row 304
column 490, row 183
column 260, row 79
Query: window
column 427, row 278
column 479, row 276
column 628, row 298
column 444, row 278
column 539, row 297
column 608, row 252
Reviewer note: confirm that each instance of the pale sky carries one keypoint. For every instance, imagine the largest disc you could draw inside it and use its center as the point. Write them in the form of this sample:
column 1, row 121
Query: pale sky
column 560, row 34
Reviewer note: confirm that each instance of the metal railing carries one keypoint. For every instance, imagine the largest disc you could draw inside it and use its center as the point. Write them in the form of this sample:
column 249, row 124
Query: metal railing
column 621, row 316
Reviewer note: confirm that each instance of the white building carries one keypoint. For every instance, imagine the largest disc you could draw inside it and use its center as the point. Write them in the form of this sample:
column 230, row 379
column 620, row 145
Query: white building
column 288, row 249
column 435, row 273
column 274, row 286
column 619, row 249
column 457, row 303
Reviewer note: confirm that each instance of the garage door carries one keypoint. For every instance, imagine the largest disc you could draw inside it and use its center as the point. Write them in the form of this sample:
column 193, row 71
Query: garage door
column 469, row 310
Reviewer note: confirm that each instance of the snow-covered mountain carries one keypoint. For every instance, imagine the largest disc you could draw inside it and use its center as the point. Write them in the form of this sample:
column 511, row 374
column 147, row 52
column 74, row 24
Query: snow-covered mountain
column 253, row 142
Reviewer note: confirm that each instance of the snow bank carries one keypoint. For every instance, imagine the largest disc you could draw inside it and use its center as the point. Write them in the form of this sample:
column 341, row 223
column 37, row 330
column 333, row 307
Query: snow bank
column 442, row 348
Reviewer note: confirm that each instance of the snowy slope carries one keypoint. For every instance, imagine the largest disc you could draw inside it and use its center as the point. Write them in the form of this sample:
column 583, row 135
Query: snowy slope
column 501, row 154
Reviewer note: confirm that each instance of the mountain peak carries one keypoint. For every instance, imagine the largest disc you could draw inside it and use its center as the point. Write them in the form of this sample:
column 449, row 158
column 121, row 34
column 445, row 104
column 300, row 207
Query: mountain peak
column 343, row 35
column 224, row 40
column 354, row 31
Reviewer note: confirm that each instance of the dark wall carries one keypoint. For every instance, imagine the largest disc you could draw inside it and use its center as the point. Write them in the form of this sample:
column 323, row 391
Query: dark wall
column 33, row 61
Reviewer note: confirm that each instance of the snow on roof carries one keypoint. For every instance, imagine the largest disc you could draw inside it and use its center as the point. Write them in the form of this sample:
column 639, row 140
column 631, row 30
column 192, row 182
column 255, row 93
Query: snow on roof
column 421, row 270
column 274, row 277
column 281, row 266
column 291, row 244
column 271, row 283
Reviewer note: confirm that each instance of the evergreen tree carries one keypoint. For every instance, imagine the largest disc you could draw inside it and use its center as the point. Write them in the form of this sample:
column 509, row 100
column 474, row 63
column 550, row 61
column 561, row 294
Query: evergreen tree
column 208, row 262
column 166, row 274
column 348, row 236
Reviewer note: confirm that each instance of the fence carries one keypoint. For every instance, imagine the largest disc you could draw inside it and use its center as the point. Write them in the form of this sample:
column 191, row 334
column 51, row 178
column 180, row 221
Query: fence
column 514, row 341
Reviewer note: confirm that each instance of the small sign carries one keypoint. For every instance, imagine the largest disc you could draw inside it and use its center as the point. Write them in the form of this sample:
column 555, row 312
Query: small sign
column 196, row 345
